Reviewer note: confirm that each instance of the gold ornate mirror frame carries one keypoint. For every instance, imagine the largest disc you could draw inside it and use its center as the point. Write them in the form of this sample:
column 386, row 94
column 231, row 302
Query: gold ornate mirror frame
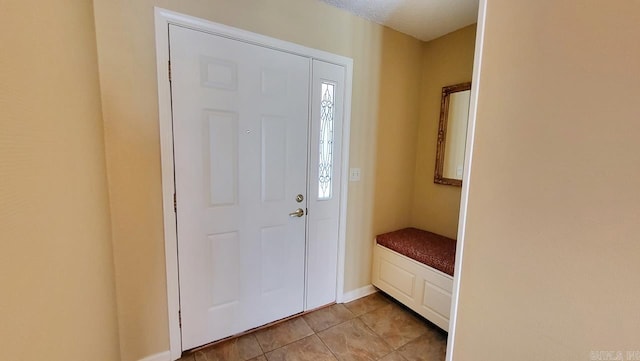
column 442, row 134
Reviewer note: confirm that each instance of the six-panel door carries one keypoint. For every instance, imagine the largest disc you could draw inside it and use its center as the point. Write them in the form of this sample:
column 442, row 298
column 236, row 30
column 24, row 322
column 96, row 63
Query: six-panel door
column 240, row 118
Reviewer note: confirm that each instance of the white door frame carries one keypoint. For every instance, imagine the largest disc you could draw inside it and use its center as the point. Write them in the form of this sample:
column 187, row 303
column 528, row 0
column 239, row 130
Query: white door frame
column 466, row 176
column 163, row 18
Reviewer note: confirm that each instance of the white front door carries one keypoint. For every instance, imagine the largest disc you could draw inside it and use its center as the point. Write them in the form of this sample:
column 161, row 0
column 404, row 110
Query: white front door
column 240, row 125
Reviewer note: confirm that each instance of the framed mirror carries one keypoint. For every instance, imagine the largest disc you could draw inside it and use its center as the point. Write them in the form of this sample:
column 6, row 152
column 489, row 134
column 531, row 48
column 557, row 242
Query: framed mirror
column 452, row 134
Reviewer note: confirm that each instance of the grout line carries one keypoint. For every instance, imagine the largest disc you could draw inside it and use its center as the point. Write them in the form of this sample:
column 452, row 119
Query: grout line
column 254, row 330
column 375, row 333
column 315, row 333
column 259, row 345
column 327, row 346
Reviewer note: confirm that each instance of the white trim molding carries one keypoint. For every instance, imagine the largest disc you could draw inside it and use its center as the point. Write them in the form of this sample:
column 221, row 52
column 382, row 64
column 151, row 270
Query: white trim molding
column 357, row 293
column 163, row 18
column 162, row 21
column 466, row 176
column 162, row 356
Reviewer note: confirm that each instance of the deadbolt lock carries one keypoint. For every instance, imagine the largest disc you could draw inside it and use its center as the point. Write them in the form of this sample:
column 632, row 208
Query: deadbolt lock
column 299, row 198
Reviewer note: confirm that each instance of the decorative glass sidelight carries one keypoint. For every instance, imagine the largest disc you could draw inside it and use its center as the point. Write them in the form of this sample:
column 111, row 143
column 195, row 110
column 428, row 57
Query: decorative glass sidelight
column 325, row 159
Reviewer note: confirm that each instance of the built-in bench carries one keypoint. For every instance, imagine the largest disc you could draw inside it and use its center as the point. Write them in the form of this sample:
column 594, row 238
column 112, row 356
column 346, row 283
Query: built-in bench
column 416, row 268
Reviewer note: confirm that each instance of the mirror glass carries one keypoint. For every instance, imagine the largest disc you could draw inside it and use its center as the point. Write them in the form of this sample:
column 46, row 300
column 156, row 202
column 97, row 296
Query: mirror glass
column 452, row 134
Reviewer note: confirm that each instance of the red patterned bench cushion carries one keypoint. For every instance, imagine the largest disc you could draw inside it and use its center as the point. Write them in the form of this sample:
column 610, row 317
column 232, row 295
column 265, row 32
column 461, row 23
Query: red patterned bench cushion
column 425, row 247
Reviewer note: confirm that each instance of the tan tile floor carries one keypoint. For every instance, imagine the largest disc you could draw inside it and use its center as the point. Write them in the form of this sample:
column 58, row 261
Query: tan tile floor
column 371, row 328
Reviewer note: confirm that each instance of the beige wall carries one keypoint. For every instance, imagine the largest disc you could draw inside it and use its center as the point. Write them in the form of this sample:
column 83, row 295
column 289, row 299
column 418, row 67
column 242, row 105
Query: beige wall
column 446, row 61
column 126, row 49
column 551, row 263
column 398, row 116
column 56, row 267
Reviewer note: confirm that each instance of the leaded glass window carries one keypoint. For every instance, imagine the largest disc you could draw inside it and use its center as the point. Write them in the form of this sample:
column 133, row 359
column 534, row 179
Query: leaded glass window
column 325, row 163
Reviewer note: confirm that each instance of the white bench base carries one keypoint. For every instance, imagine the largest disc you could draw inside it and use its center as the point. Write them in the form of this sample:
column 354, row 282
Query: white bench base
column 423, row 289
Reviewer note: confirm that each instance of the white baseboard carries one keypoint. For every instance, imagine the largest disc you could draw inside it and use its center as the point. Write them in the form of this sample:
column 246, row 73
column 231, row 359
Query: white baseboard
column 357, row 293
column 162, row 356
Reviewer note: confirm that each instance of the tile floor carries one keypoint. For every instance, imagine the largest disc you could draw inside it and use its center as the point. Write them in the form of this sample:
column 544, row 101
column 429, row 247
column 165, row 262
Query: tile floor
column 371, row 328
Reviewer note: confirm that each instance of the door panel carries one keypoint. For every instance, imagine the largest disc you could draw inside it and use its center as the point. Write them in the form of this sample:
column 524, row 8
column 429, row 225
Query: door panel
column 274, row 148
column 222, row 172
column 327, row 115
column 240, row 117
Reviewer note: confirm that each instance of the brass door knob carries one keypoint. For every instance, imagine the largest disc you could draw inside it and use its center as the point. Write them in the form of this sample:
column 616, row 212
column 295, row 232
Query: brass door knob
column 298, row 213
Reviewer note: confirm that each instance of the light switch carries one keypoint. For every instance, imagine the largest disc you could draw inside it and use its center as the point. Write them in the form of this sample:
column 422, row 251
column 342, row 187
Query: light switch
column 354, row 174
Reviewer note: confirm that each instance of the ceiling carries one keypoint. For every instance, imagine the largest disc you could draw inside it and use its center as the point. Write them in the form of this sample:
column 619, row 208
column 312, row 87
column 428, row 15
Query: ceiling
column 422, row 19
